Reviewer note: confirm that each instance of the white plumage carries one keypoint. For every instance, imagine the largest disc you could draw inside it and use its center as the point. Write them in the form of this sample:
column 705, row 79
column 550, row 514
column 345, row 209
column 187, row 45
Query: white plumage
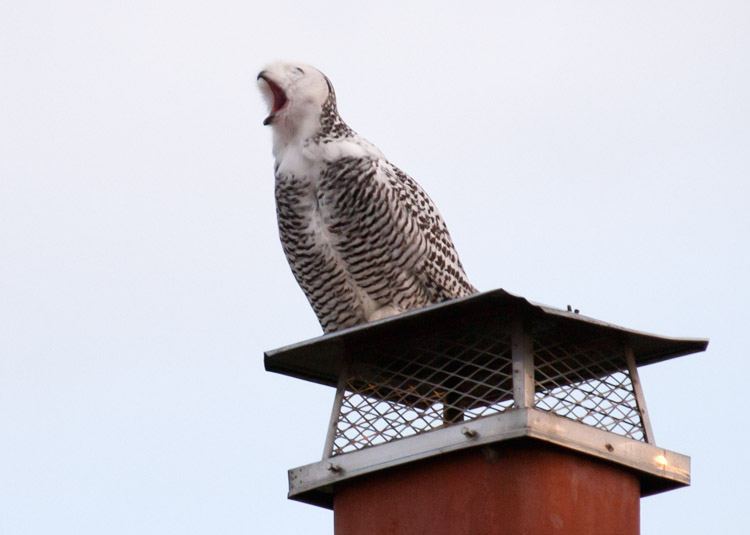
column 364, row 241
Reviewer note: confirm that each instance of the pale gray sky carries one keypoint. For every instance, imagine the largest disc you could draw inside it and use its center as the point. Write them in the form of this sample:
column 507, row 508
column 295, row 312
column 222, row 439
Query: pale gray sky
column 589, row 153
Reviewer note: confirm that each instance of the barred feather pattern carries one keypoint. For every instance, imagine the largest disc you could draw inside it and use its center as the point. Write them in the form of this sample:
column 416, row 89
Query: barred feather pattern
column 365, row 233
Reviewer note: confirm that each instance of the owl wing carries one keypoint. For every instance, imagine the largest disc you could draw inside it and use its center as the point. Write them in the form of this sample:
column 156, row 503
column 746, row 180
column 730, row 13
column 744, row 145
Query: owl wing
column 390, row 234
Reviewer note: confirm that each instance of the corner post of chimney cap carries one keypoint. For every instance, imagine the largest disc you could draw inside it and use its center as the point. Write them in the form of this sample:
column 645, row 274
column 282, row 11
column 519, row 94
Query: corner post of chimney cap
column 640, row 399
column 523, row 365
column 338, row 401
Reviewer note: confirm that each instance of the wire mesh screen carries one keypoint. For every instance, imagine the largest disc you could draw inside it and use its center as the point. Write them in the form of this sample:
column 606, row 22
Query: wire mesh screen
column 450, row 378
column 587, row 382
column 443, row 380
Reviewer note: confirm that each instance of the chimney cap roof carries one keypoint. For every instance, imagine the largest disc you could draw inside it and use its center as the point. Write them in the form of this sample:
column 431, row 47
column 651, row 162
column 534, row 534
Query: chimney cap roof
column 320, row 359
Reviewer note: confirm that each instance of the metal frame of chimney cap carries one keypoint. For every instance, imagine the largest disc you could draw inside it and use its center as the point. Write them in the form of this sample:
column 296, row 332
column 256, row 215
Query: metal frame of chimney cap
column 657, row 469
column 526, row 412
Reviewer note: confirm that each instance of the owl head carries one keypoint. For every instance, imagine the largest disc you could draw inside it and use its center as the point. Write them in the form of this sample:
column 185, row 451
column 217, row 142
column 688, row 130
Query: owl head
column 295, row 94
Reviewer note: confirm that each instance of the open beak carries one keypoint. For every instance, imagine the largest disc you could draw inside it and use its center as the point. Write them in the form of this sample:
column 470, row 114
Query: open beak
column 279, row 97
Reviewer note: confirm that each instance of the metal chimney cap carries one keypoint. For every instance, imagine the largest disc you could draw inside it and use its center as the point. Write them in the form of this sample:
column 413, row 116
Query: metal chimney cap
column 320, row 359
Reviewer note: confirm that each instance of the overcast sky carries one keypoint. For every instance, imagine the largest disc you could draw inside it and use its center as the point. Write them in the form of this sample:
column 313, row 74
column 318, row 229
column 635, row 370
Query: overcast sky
column 587, row 153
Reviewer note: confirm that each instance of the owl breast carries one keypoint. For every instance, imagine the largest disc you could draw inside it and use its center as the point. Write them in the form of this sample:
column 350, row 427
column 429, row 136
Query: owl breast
column 312, row 239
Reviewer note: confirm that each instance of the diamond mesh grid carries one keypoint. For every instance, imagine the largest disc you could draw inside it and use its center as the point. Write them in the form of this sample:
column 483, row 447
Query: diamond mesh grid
column 389, row 394
column 588, row 383
column 434, row 382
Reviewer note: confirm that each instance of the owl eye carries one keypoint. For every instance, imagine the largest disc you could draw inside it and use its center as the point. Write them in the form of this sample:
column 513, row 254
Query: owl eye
column 298, row 70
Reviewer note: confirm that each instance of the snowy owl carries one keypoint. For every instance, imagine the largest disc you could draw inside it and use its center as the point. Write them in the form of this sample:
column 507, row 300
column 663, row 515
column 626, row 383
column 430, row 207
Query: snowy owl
column 363, row 239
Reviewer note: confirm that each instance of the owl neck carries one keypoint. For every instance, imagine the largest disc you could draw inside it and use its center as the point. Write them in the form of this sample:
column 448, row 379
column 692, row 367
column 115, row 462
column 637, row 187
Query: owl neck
column 289, row 133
